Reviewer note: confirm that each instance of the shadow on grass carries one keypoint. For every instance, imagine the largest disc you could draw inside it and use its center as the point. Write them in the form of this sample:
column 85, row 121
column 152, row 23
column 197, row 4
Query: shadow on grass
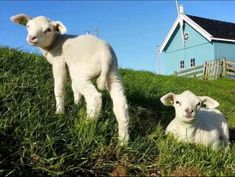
column 11, row 164
column 9, row 155
column 232, row 135
column 146, row 113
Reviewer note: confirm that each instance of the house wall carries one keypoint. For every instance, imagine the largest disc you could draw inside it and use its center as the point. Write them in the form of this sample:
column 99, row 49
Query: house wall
column 196, row 47
column 224, row 50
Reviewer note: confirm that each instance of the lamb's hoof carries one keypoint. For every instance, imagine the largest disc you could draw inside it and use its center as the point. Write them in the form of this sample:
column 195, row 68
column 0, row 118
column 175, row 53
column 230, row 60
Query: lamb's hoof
column 59, row 111
column 123, row 141
column 76, row 101
column 93, row 117
column 77, row 98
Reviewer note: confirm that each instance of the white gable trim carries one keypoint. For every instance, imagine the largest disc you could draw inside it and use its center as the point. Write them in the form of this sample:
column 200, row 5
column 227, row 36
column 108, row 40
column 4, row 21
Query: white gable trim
column 198, row 28
column 169, row 35
column 194, row 25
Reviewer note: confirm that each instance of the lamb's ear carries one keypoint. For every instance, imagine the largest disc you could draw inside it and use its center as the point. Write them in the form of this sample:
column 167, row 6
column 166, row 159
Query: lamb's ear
column 59, row 26
column 21, row 19
column 209, row 102
column 168, row 99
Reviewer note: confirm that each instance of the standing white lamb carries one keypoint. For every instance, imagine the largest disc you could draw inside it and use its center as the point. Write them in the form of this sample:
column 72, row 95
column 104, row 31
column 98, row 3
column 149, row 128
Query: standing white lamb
column 194, row 123
column 86, row 58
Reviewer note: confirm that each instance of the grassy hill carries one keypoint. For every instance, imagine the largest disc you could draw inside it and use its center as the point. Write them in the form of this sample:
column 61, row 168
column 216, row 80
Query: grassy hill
column 36, row 142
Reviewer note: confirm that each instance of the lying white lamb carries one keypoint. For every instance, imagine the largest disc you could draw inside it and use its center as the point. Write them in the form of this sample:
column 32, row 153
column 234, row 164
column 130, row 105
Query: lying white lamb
column 86, row 58
column 194, row 123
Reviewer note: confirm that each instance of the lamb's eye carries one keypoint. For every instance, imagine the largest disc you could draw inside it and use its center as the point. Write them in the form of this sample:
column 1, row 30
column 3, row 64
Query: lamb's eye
column 199, row 104
column 47, row 30
column 177, row 102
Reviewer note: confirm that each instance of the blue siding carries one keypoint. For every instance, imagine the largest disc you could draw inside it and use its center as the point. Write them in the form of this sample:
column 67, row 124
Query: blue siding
column 196, row 47
column 223, row 49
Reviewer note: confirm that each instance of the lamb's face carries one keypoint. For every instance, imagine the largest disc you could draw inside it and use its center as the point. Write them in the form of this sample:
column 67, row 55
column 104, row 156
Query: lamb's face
column 41, row 30
column 187, row 105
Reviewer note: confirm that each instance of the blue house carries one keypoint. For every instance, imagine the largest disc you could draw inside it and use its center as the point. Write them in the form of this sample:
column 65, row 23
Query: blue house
column 193, row 40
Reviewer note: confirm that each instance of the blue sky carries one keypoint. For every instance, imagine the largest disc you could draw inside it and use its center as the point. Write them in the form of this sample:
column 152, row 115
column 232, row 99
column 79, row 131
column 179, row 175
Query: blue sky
column 133, row 28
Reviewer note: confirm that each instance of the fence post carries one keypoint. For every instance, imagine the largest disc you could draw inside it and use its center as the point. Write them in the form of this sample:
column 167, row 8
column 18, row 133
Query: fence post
column 221, row 65
column 217, row 69
column 224, row 68
column 204, row 71
column 209, row 69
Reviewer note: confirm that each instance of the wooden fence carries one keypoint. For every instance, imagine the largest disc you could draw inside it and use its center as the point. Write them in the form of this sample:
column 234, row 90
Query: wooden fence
column 196, row 71
column 213, row 69
column 230, row 69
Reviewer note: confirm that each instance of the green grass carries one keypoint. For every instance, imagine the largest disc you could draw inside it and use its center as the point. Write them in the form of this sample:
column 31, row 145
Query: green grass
column 36, row 142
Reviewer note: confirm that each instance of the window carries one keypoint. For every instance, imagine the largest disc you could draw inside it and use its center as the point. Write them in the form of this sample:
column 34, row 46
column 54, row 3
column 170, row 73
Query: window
column 192, row 62
column 181, row 64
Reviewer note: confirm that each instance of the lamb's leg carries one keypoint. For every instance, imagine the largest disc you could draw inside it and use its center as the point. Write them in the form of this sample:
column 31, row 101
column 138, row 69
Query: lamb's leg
column 120, row 107
column 225, row 135
column 105, row 68
column 59, row 74
column 101, row 82
column 76, row 94
column 92, row 97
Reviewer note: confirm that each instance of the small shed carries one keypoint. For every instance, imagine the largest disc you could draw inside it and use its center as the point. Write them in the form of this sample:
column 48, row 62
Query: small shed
column 192, row 40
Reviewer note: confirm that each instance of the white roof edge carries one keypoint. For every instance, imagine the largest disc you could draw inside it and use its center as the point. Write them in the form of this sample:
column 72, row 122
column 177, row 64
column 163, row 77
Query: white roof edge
column 167, row 38
column 197, row 27
column 222, row 39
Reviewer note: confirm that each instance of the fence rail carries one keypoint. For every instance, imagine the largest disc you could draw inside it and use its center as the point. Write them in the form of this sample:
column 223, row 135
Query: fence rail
column 191, row 72
column 212, row 69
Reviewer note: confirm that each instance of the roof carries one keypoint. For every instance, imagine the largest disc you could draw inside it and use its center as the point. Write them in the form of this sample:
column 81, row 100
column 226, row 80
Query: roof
column 212, row 30
column 218, row 29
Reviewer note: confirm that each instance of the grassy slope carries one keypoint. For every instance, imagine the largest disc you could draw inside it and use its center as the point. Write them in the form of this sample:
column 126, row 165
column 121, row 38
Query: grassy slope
column 36, row 142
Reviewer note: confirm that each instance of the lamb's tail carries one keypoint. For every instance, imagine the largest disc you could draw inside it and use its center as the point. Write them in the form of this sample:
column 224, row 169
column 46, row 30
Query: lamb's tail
column 107, row 62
